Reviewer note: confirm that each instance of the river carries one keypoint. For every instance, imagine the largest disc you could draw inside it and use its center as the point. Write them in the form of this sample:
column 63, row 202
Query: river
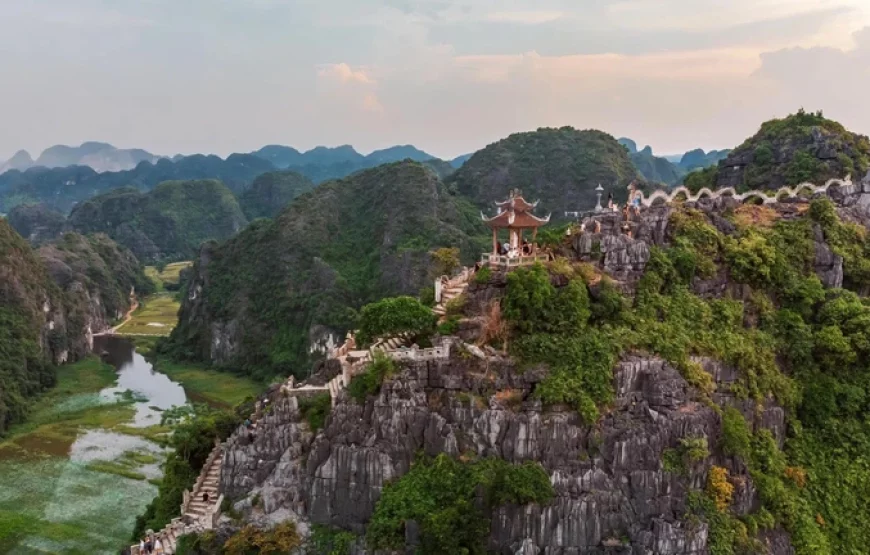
column 76, row 481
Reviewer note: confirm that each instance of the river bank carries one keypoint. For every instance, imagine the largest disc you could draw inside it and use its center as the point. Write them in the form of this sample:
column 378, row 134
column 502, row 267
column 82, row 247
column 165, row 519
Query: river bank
column 74, row 477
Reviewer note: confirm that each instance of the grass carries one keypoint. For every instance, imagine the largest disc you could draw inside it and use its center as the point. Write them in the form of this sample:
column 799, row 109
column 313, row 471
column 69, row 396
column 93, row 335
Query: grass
column 115, row 468
column 217, row 388
column 170, row 273
column 156, row 316
column 75, row 401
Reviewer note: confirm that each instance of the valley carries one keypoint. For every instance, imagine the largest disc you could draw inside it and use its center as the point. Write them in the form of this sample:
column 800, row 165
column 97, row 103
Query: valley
column 88, row 459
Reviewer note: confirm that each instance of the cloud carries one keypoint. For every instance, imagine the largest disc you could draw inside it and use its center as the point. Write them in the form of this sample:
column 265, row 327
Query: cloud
column 525, row 17
column 344, row 73
column 821, row 78
column 371, row 103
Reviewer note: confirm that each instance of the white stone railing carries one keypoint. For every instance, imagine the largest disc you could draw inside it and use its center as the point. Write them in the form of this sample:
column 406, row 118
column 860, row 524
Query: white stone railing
column 512, row 262
column 411, row 354
column 191, row 494
column 445, row 282
column 766, row 197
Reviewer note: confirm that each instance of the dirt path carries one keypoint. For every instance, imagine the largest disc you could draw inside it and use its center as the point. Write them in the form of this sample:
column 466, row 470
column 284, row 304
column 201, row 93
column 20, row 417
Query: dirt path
column 127, row 318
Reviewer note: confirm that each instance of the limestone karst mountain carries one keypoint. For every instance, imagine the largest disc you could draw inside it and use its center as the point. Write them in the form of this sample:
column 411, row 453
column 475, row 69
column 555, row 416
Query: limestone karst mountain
column 560, row 167
column 51, row 300
column 803, row 147
column 167, row 223
column 267, row 291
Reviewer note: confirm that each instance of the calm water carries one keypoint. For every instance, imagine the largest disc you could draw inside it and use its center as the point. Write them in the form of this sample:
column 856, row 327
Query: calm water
column 151, row 389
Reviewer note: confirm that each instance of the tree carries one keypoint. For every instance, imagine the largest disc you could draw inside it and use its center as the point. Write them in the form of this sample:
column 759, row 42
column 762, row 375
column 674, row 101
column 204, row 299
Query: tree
column 393, row 316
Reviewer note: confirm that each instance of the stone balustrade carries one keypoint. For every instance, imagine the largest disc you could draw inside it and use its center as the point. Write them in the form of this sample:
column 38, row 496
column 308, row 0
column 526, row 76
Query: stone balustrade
column 766, row 197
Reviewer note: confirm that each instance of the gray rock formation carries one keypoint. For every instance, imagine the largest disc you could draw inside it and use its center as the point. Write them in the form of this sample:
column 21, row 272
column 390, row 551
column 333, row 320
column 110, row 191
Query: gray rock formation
column 612, row 492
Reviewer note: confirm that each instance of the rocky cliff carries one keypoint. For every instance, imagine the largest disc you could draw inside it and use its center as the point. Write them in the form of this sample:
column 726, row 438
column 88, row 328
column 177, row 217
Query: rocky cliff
column 613, row 493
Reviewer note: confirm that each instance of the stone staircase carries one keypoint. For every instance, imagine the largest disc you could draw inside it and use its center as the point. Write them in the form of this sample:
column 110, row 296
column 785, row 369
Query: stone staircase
column 197, row 513
column 447, row 289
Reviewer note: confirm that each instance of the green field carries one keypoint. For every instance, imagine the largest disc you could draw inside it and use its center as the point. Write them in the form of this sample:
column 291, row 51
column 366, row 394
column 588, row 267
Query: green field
column 216, row 388
column 157, row 315
column 170, row 273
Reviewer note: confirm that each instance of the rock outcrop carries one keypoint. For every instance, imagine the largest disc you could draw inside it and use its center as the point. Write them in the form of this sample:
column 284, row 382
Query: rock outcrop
column 610, row 482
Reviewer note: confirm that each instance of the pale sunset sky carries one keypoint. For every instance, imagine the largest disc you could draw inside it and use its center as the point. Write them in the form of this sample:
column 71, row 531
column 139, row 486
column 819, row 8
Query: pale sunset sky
column 222, row 76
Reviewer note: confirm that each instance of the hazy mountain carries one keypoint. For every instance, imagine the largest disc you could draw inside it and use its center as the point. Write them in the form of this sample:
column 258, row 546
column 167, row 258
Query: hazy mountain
column 271, row 192
column 51, row 301
column 397, row 153
column 62, row 188
column 102, row 157
column 459, row 160
column 20, row 161
column 698, row 159
column 628, row 144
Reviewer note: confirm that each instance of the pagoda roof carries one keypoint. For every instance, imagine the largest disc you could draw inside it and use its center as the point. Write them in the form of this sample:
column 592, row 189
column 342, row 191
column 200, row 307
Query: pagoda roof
column 518, row 203
column 515, row 219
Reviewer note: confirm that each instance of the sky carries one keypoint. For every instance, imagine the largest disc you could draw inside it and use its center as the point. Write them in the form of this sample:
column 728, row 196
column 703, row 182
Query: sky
column 449, row 76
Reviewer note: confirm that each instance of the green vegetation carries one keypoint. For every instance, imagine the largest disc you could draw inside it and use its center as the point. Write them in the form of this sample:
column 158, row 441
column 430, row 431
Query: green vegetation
column 116, row 468
column 315, row 410
column 789, row 339
column 788, row 151
column 330, row 541
column 169, row 276
column 483, row 275
column 561, row 167
column 156, row 315
column 250, row 540
column 168, row 223
column 51, row 185
column 393, row 316
column 217, row 388
column 439, row 495
column 36, row 222
column 369, row 382
column 654, row 169
column 331, row 251
column 271, row 192
column 52, row 502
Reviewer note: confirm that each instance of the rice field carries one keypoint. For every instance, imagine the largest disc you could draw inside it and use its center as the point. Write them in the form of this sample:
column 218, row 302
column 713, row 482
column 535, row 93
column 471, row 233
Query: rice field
column 156, row 316
column 170, row 273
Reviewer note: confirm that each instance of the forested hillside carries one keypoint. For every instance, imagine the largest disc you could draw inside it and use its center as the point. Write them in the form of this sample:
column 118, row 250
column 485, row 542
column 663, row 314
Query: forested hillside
column 271, row 192
column 50, row 302
column 37, row 222
column 560, row 167
column 260, row 297
column 62, row 188
column 168, row 223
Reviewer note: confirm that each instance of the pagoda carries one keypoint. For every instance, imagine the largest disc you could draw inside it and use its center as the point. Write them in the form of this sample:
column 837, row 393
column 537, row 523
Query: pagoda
column 515, row 215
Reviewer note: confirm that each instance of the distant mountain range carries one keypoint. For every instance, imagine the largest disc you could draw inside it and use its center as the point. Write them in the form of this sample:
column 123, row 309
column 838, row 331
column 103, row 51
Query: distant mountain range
column 670, row 169
column 64, row 175
column 101, row 157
